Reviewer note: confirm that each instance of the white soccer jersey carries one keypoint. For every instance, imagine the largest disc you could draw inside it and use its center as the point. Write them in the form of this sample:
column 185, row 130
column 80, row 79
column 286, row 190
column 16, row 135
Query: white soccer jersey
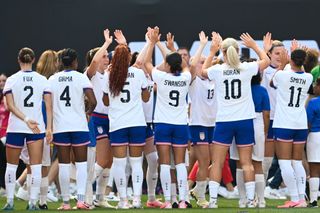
column 292, row 92
column 267, row 76
column 98, row 80
column 125, row 110
column 27, row 88
column 204, row 104
column 67, row 89
column 233, row 90
column 171, row 103
column 148, row 106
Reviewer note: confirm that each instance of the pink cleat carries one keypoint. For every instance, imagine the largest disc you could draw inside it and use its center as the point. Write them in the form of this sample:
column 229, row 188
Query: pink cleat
column 64, row 207
column 182, row 205
column 289, row 204
column 82, row 205
column 166, row 205
column 302, row 204
column 154, row 204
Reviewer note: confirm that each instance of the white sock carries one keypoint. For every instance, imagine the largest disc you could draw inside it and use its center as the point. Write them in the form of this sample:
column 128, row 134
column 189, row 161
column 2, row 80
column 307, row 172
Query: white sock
column 43, row 190
column 98, row 170
column 28, row 183
column 91, row 176
column 173, row 193
column 266, row 164
column 213, row 190
column 182, row 180
column 289, row 179
column 119, row 167
column 152, row 175
column 260, row 185
column 300, row 177
column 35, row 183
column 137, row 175
column 64, row 180
column 110, row 180
column 201, row 189
column 240, row 184
column 102, row 183
column 187, row 198
column 10, row 179
column 314, row 188
column 128, row 170
column 250, row 189
column 165, row 179
column 81, row 178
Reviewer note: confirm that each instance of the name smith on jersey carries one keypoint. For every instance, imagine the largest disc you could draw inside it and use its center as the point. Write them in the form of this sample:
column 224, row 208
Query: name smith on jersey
column 298, row 80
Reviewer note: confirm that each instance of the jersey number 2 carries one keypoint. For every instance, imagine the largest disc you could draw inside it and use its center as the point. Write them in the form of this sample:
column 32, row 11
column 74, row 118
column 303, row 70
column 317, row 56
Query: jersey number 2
column 25, row 101
column 65, row 96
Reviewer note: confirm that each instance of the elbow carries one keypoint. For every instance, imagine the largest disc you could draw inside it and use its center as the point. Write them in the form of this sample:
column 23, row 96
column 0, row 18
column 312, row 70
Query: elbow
column 145, row 96
column 105, row 100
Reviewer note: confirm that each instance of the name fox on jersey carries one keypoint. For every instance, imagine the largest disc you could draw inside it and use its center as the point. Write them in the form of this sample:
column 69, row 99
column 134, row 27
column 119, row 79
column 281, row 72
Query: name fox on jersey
column 231, row 72
column 175, row 83
column 27, row 78
column 297, row 80
column 65, row 78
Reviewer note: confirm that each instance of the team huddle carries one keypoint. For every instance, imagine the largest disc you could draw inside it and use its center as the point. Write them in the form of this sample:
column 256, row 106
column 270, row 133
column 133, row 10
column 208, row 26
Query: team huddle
column 123, row 108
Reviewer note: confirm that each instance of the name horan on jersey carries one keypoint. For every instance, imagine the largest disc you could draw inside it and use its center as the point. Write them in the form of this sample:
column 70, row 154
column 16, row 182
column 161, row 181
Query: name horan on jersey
column 175, row 83
column 298, row 80
column 231, row 72
column 65, row 78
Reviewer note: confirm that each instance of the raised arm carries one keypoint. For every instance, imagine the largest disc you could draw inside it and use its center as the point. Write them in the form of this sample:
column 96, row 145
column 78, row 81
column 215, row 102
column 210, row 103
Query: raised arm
column 170, row 42
column 141, row 59
column 193, row 65
column 119, row 37
column 248, row 41
column 153, row 39
column 214, row 48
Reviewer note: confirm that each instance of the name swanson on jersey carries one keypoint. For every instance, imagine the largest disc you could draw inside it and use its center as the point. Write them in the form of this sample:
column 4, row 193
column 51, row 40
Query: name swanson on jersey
column 175, row 83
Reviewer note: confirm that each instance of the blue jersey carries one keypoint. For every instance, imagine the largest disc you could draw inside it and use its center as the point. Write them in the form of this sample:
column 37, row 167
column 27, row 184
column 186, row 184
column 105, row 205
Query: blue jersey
column 313, row 114
column 260, row 98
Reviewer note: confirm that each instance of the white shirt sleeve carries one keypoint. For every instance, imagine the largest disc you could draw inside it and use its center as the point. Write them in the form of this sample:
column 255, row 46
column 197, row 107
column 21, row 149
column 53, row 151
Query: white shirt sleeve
column 105, row 86
column 86, row 84
column 252, row 67
column 8, row 86
column 212, row 71
column 275, row 79
column 144, row 80
column 47, row 88
column 157, row 74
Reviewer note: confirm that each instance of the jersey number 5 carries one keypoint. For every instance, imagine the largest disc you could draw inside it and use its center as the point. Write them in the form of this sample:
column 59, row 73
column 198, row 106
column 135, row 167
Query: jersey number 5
column 127, row 92
column 65, row 96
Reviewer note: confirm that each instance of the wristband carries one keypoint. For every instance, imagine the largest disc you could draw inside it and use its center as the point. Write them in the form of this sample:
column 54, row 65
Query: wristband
column 26, row 119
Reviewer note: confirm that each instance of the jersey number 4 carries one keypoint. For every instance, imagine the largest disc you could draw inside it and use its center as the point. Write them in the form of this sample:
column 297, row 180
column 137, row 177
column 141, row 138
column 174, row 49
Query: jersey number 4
column 65, row 96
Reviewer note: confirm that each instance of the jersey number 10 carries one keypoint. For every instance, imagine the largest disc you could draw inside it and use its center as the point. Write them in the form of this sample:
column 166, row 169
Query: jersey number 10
column 235, row 84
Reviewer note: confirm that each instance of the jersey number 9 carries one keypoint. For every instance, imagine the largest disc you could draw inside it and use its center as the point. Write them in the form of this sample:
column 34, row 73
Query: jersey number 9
column 174, row 95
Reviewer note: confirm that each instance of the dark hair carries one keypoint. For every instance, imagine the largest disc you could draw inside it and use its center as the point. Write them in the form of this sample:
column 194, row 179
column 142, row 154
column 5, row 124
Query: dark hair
column 298, row 57
column 26, row 55
column 256, row 79
column 90, row 55
column 134, row 57
column 184, row 48
column 68, row 56
column 174, row 60
column 119, row 69
column 311, row 60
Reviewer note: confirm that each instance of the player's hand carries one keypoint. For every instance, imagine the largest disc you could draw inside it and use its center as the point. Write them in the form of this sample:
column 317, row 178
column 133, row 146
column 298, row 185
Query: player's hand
column 33, row 125
column 49, row 136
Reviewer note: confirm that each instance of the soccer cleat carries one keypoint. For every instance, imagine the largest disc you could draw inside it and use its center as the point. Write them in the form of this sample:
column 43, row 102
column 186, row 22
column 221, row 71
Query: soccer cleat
column 64, row 207
column 270, row 193
column 154, row 204
column 112, row 197
column 103, row 204
column 182, row 205
column 32, row 207
column 313, row 204
column 203, row 203
column 43, row 207
column 251, row 204
column 8, row 207
column 288, row 204
column 136, row 203
column 213, row 204
column 189, row 205
column 123, row 205
column 51, row 197
column 166, row 205
column 242, row 203
column 82, row 205
column 22, row 194
column 175, row 205
column 262, row 204
column 302, row 204
column 194, row 194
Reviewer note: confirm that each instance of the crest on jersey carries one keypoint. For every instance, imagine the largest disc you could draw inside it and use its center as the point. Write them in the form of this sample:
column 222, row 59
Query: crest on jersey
column 202, row 135
column 100, row 129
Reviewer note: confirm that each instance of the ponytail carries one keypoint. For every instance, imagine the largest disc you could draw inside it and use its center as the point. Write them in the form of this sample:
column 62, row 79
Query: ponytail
column 233, row 57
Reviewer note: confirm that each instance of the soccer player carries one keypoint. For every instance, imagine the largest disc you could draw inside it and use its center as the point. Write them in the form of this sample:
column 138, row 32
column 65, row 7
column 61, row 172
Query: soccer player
column 291, row 126
column 124, row 90
column 24, row 93
column 235, row 109
column 70, row 128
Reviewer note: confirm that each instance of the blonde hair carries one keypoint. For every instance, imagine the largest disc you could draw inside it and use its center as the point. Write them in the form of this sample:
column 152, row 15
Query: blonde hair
column 230, row 47
column 48, row 63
